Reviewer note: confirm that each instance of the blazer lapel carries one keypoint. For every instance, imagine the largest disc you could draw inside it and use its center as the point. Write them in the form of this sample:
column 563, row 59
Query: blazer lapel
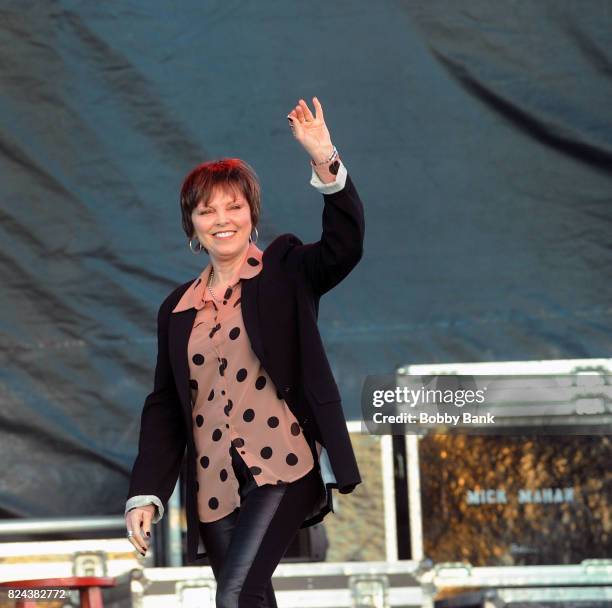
column 249, row 306
column 179, row 331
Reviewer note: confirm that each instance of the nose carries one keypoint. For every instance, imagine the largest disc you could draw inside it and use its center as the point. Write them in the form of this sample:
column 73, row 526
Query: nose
column 221, row 221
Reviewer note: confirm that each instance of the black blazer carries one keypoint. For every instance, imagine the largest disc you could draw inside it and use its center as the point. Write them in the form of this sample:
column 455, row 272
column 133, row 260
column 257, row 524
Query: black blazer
column 280, row 308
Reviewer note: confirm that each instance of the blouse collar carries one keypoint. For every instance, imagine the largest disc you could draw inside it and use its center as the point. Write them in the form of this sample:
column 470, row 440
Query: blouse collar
column 196, row 295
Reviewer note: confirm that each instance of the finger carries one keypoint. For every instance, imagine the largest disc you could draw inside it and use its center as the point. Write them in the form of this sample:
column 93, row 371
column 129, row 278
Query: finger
column 134, row 521
column 318, row 108
column 306, row 110
column 140, row 541
column 300, row 113
column 134, row 540
column 146, row 525
column 135, row 545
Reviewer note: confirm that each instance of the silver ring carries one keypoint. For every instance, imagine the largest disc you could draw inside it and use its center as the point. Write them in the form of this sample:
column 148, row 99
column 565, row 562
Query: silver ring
column 130, row 534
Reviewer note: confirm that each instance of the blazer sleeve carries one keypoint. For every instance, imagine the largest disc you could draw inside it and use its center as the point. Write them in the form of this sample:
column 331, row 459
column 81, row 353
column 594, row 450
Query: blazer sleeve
column 163, row 435
column 326, row 262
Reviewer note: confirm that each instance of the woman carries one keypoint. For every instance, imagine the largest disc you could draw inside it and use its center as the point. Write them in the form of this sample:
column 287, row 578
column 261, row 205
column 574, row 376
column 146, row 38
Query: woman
column 242, row 381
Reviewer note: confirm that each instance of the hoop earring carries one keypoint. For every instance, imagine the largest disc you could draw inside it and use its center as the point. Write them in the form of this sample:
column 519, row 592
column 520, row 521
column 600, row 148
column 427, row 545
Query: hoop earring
column 198, row 250
column 256, row 237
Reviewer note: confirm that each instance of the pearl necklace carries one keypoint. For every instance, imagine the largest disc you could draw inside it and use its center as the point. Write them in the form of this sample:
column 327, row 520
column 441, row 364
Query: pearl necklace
column 210, row 277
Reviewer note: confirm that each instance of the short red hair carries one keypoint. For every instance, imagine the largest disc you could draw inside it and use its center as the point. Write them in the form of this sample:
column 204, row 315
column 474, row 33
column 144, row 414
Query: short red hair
column 227, row 173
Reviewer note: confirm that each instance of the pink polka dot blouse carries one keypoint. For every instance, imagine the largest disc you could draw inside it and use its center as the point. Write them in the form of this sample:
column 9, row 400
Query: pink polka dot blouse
column 234, row 401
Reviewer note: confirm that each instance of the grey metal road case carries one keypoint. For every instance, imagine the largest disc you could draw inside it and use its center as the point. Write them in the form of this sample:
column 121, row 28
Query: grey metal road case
column 586, row 585
column 322, row 585
column 516, row 518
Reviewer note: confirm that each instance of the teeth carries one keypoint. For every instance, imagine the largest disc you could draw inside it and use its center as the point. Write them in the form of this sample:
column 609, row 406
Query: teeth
column 224, row 234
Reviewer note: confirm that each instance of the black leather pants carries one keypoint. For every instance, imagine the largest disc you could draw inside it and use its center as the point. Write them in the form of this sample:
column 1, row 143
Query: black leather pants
column 245, row 547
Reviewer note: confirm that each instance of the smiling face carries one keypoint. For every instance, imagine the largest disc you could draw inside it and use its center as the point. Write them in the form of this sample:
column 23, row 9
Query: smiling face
column 224, row 225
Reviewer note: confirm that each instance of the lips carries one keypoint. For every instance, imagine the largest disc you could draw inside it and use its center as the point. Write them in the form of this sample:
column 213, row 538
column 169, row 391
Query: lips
column 224, row 234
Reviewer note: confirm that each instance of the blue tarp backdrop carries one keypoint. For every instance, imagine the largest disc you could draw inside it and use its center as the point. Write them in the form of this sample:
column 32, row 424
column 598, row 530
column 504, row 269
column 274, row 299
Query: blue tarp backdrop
column 478, row 134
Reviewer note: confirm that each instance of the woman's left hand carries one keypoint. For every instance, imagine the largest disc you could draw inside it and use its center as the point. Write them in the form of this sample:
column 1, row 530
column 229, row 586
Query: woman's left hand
column 311, row 131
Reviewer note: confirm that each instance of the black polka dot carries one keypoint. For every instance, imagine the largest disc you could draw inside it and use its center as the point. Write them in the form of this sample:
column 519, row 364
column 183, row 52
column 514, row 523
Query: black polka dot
column 291, row 459
column 260, row 382
column 237, row 302
column 211, row 395
column 213, row 503
column 248, row 415
column 241, row 374
column 278, row 394
column 214, row 330
column 198, row 359
column 228, row 408
column 199, row 420
column 272, row 422
column 193, row 384
column 216, row 435
column 234, row 333
column 295, row 428
column 223, row 366
column 223, row 474
column 266, row 452
column 223, row 392
column 253, row 261
column 255, row 470
column 242, row 452
column 238, row 442
column 228, row 294
column 227, row 426
column 204, row 461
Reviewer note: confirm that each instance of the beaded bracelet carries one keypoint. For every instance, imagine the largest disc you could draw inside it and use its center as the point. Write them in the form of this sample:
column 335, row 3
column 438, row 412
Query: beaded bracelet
column 324, row 162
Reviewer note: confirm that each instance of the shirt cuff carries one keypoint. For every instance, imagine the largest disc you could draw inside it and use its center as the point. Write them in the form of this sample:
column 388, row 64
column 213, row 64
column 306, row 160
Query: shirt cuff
column 330, row 187
column 143, row 500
